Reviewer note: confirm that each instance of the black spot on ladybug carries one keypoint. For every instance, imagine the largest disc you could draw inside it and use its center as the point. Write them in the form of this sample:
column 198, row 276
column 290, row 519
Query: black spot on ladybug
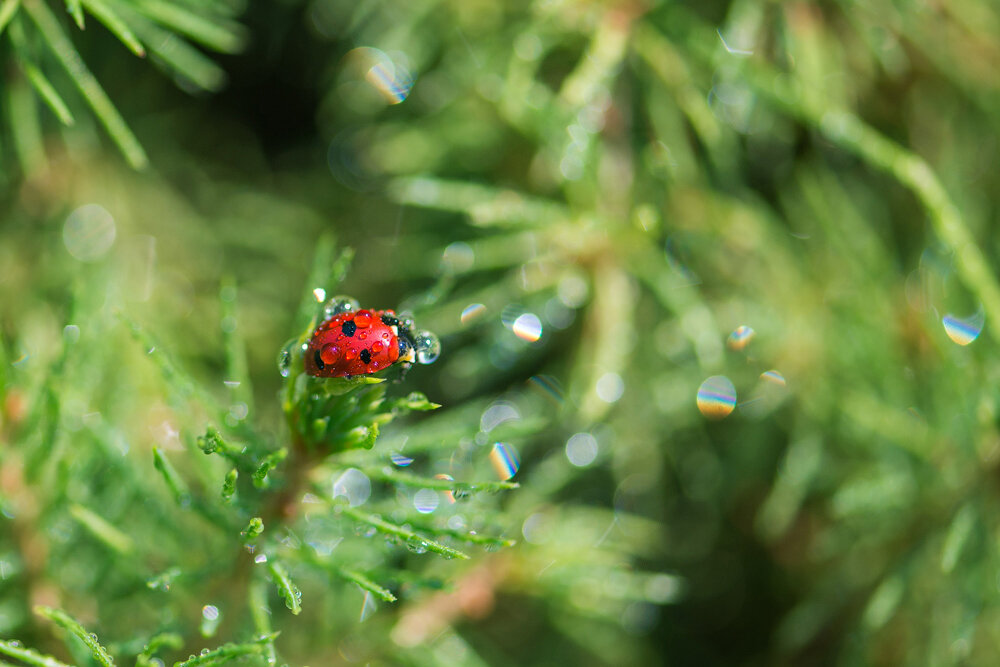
column 366, row 356
column 349, row 327
column 319, row 360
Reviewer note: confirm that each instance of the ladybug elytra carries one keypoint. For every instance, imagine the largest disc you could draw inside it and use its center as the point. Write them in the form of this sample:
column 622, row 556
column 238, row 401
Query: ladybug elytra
column 359, row 343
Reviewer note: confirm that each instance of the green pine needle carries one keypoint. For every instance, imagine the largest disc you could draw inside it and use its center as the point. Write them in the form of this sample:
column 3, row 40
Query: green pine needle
column 48, row 94
column 64, row 51
column 104, row 531
column 286, row 587
column 7, row 10
column 229, row 485
column 178, row 487
column 218, row 36
column 407, row 479
column 413, row 539
column 28, row 656
column 70, row 624
column 116, row 25
column 76, row 11
column 365, row 583
column 228, row 653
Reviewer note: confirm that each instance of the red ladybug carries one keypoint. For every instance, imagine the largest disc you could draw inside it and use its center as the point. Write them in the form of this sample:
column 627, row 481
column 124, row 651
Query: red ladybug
column 358, row 343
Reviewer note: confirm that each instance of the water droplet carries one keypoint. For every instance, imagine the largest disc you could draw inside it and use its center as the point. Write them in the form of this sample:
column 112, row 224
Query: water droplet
column 774, row 377
column 416, row 545
column 364, row 530
column 427, row 346
column 964, row 330
column 447, row 494
column 319, row 294
column 549, row 385
column 363, row 319
column 426, row 501
column 353, row 485
column 581, row 449
column 205, row 651
column 377, row 347
column 260, row 558
column 89, row 233
column 716, row 397
column 350, row 353
column 330, row 353
column 472, row 312
column 527, row 327
column 71, row 333
column 496, row 414
column 285, row 356
column 339, row 304
column 400, row 460
column 505, row 461
column 740, row 337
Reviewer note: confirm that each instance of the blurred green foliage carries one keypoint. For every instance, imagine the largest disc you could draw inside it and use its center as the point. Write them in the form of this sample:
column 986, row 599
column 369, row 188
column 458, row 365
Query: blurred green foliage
column 584, row 200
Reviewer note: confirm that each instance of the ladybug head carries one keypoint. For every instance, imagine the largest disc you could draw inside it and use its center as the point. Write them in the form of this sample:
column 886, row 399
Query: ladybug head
column 406, row 350
column 407, row 346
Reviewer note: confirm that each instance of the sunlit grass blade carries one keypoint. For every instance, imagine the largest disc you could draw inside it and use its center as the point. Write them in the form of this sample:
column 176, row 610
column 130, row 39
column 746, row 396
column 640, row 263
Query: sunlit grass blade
column 70, row 624
column 116, row 25
column 48, row 93
column 67, row 55
column 224, row 38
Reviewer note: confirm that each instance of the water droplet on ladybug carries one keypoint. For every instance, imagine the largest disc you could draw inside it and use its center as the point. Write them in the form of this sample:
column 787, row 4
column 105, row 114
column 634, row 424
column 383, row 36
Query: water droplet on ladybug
column 363, row 319
column 329, row 354
column 377, row 347
column 363, row 336
column 350, row 353
column 427, row 346
column 385, row 335
column 339, row 304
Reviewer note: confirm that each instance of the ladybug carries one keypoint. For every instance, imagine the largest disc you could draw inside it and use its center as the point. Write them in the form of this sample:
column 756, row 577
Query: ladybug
column 359, row 343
